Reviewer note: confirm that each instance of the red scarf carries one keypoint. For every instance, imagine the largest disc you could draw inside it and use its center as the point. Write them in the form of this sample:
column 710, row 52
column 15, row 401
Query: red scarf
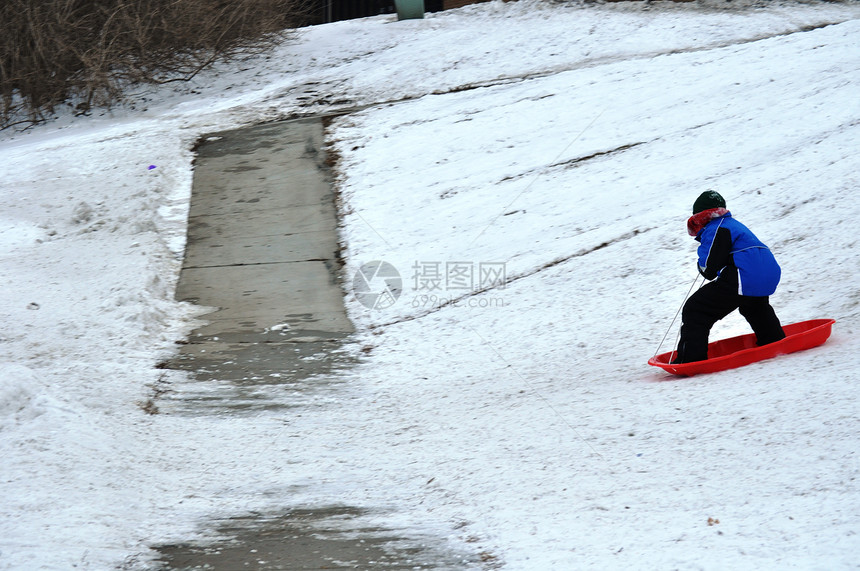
column 698, row 221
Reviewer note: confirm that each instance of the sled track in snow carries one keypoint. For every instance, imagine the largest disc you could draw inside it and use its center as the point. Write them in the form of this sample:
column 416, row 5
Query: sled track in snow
column 558, row 261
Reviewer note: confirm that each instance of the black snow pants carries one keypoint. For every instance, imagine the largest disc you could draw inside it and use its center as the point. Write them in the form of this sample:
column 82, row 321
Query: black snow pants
column 714, row 301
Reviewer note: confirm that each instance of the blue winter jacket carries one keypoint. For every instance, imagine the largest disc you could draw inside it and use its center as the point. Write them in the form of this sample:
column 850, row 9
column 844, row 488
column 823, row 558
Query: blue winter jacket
column 727, row 246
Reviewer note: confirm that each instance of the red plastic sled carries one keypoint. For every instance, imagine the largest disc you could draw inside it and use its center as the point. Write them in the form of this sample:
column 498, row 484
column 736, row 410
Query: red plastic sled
column 742, row 350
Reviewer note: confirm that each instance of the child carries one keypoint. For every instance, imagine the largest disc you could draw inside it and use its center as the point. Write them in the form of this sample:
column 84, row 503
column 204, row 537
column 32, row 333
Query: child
column 744, row 274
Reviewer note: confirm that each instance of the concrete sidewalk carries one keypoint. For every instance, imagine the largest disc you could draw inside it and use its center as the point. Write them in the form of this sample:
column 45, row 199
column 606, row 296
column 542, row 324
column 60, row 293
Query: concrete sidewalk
column 262, row 252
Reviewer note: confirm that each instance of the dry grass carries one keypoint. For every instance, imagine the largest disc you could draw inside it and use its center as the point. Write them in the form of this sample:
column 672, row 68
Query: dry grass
column 88, row 51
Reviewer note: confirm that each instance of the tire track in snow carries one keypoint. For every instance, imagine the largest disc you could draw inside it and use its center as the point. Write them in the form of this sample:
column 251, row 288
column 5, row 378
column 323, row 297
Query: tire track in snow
column 608, row 60
column 323, row 106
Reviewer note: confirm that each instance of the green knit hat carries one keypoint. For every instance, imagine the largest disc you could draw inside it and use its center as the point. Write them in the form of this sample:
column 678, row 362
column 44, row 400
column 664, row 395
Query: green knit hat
column 707, row 200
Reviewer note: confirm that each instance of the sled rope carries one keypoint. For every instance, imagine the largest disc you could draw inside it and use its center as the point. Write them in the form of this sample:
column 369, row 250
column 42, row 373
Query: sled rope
column 678, row 335
column 539, row 174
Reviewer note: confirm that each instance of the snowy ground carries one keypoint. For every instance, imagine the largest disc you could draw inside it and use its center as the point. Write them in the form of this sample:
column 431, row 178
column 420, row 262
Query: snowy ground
column 566, row 143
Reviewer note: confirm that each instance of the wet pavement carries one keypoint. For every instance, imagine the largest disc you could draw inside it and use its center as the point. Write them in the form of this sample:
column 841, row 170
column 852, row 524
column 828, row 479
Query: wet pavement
column 307, row 539
column 262, row 253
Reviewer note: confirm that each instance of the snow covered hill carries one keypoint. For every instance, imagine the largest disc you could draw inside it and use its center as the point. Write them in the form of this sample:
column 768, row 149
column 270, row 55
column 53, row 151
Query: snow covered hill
column 557, row 144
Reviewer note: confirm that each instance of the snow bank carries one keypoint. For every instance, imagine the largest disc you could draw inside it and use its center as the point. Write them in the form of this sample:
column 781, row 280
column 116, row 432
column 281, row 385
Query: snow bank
column 18, row 401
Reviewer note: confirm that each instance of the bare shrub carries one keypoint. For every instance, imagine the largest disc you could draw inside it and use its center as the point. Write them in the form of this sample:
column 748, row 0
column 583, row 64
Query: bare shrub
column 52, row 51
